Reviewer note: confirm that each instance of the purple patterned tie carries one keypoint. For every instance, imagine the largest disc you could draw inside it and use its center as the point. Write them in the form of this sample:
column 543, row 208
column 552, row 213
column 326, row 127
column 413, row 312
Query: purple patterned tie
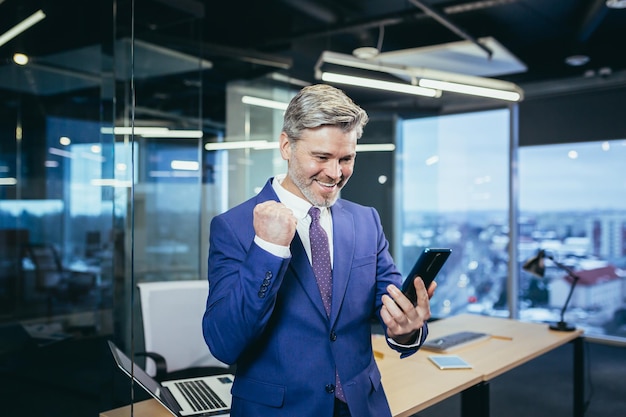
column 320, row 260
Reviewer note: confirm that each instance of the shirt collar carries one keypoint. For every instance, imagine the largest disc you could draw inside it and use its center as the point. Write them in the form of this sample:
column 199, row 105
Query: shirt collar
column 299, row 206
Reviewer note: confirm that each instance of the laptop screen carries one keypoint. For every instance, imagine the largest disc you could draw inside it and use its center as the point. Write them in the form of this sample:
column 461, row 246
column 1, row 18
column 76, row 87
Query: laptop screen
column 142, row 378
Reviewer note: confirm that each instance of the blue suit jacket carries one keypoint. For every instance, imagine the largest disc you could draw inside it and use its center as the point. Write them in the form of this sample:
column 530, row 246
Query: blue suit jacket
column 265, row 313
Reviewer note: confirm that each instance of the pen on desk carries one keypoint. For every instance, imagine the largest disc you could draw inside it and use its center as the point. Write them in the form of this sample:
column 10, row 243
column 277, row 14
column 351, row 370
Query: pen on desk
column 494, row 336
column 378, row 354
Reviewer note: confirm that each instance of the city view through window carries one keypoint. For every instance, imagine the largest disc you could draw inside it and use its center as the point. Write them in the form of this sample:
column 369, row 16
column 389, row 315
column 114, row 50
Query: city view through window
column 454, row 172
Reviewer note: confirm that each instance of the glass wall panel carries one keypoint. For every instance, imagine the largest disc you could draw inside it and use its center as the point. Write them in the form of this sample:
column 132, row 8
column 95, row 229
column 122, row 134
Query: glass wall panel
column 573, row 206
column 56, row 221
column 453, row 172
column 254, row 116
column 160, row 209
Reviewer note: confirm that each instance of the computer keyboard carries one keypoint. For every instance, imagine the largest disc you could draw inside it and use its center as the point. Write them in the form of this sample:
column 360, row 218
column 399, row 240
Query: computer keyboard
column 200, row 395
column 453, row 341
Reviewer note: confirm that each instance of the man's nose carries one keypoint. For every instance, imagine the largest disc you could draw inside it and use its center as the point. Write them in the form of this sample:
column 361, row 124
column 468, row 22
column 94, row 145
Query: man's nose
column 333, row 170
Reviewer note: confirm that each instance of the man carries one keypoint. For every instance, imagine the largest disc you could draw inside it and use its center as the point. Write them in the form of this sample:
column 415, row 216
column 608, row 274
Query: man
column 265, row 312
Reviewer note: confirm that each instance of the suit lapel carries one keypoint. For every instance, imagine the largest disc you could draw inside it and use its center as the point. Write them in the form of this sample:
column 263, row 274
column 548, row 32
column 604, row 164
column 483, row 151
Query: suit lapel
column 344, row 236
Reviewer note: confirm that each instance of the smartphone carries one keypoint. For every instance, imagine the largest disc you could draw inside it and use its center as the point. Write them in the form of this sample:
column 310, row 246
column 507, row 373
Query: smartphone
column 427, row 266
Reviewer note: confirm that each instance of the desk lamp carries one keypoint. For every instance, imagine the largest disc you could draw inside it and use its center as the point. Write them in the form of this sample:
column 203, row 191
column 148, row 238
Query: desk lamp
column 536, row 266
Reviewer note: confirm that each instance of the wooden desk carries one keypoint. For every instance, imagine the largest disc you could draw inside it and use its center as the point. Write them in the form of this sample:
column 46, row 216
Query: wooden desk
column 414, row 383
column 146, row 408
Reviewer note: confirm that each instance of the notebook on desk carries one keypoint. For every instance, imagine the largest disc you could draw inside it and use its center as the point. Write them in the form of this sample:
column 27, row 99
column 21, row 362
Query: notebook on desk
column 197, row 397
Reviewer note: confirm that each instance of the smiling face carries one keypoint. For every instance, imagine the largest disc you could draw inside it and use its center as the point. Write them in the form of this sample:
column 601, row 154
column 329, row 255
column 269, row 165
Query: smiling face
column 320, row 163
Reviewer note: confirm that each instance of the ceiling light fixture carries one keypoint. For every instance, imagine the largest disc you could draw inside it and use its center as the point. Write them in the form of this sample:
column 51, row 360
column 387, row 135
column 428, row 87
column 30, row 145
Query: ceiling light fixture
column 379, row 84
column 152, row 132
column 473, row 90
column 22, row 26
column 577, row 60
column 8, row 181
column 422, row 77
column 262, row 102
column 375, row 147
column 616, row 4
column 243, row 144
column 20, row 59
column 260, row 145
column 366, row 52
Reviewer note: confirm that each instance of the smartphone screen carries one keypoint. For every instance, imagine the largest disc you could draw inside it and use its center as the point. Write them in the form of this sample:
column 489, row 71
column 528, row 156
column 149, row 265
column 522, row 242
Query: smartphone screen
column 427, row 266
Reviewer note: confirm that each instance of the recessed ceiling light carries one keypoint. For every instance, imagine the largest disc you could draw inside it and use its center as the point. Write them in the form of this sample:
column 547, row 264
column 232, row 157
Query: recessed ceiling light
column 616, row 4
column 366, row 52
column 20, row 59
column 576, row 60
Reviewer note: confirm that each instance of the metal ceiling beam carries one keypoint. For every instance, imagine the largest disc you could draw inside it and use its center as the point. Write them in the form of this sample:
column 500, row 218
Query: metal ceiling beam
column 314, row 10
column 245, row 55
column 389, row 19
column 441, row 18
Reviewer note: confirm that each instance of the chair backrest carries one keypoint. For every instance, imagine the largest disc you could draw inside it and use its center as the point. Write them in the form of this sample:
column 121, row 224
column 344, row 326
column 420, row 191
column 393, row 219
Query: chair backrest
column 48, row 266
column 172, row 323
column 45, row 257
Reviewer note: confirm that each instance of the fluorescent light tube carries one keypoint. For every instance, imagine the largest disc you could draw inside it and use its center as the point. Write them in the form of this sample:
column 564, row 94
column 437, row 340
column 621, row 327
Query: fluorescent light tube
column 175, row 134
column 261, row 102
column 153, row 132
column 428, row 78
column 185, row 165
column 244, row 144
column 470, row 89
column 376, row 147
column 129, row 130
column 379, row 84
column 22, row 26
column 8, row 181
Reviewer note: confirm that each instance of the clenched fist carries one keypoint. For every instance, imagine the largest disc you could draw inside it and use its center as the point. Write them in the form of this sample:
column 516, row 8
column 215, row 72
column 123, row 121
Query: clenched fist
column 274, row 223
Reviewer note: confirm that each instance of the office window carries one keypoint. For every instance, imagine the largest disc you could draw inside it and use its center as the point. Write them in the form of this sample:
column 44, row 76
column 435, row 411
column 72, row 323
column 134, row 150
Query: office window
column 454, row 193
column 573, row 205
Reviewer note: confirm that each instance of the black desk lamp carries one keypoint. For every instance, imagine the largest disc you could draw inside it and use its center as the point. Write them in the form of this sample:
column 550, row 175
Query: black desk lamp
column 536, row 266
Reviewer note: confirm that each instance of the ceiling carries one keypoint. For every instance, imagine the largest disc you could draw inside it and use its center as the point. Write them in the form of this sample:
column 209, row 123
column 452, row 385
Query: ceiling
column 522, row 41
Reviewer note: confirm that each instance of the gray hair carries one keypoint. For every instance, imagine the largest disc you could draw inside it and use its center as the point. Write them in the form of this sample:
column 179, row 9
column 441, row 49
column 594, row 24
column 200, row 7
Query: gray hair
column 322, row 105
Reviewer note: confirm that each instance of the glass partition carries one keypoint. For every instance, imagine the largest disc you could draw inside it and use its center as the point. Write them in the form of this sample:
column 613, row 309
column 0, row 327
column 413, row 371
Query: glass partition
column 576, row 213
column 454, row 194
column 104, row 183
column 56, row 218
column 454, row 174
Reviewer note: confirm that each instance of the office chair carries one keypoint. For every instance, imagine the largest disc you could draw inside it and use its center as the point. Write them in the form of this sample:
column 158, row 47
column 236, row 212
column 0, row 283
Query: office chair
column 55, row 281
column 172, row 327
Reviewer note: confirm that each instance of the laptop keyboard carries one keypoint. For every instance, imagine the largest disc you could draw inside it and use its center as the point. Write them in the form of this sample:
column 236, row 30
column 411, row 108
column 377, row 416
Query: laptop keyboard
column 454, row 340
column 200, row 395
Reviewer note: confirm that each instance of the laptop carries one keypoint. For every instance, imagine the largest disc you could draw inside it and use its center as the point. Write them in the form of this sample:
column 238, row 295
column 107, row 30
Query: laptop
column 200, row 396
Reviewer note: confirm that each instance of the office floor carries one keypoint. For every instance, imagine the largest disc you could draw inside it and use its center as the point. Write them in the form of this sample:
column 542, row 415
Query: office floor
column 77, row 378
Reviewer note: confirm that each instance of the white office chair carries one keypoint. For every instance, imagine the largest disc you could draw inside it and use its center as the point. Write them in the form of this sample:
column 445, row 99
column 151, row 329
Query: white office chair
column 172, row 327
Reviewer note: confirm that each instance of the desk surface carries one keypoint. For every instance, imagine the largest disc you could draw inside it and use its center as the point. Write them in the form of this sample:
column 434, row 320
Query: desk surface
column 414, row 383
column 147, row 408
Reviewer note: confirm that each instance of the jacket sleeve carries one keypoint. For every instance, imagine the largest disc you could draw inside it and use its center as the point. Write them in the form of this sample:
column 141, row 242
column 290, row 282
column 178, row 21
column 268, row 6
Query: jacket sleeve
column 387, row 273
column 243, row 284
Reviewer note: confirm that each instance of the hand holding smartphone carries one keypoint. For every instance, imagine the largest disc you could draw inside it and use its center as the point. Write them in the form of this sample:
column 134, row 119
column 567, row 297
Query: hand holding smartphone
column 426, row 267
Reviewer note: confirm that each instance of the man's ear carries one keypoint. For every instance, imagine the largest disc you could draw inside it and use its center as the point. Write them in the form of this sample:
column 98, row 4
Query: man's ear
column 285, row 146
